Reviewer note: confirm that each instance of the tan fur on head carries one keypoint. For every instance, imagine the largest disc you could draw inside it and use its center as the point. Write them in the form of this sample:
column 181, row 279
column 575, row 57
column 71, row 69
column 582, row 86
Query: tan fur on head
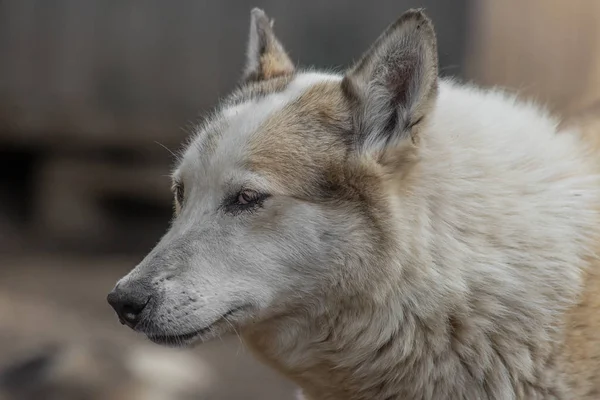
column 385, row 234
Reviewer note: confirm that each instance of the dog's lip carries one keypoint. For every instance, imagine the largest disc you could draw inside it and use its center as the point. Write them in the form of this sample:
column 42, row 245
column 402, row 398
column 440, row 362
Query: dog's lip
column 180, row 339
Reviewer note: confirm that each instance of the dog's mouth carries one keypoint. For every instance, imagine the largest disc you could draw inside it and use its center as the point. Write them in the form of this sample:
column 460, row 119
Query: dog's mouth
column 176, row 340
column 185, row 339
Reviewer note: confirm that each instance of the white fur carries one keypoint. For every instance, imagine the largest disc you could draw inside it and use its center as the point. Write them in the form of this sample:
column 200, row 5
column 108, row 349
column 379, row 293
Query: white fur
column 242, row 120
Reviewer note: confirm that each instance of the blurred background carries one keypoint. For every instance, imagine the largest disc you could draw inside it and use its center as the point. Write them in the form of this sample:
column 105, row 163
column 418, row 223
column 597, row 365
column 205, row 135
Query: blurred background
column 93, row 94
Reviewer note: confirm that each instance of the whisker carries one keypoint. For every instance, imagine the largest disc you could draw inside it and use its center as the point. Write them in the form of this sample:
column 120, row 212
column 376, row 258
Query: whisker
column 166, row 148
column 237, row 334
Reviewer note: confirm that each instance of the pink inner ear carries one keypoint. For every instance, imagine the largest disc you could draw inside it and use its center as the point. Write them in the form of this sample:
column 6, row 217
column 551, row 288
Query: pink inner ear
column 399, row 77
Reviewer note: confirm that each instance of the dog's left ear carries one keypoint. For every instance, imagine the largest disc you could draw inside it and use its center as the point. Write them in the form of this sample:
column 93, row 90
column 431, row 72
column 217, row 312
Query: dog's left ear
column 265, row 57
column 394, row 85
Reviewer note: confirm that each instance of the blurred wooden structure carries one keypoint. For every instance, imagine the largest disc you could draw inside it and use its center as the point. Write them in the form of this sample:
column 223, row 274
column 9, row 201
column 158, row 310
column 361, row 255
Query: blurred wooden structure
column 546, row 49
column 93, row 91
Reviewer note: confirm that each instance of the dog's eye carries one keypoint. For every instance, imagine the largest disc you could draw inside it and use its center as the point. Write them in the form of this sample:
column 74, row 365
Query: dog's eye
column 179, row 192
column 245, row 200
column 248, row 197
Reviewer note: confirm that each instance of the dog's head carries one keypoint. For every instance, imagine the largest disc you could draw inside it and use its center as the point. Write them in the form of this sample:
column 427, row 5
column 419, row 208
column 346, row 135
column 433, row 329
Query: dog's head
column 283, row 195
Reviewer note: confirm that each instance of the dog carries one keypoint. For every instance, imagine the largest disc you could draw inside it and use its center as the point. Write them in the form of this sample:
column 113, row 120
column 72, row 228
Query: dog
column 382, row 233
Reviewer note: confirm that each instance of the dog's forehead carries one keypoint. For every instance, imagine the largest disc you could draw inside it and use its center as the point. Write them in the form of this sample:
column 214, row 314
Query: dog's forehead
column 268, row 127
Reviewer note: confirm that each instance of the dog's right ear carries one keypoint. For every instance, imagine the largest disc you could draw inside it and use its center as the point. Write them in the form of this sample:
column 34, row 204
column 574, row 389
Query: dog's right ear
column 265, row 57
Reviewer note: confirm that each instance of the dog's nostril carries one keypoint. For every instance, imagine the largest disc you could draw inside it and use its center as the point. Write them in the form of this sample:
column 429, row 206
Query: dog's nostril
column 131, row 312
column 128, row 305
column 128, row 314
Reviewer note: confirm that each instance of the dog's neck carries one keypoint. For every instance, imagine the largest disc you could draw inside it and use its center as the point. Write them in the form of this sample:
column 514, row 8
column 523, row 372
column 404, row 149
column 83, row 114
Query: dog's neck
column 345, row 353
column 373, row 351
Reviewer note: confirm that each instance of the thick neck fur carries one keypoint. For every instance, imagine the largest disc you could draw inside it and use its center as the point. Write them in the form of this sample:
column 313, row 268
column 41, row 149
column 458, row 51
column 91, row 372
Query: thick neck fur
column 491, row 238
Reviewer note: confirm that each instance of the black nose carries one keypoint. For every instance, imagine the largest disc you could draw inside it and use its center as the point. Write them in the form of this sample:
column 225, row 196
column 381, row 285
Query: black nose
column 128, row 303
